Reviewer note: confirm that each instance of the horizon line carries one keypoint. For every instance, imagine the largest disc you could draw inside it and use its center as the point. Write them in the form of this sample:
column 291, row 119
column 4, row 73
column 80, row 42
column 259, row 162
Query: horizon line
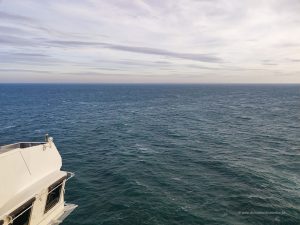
column 140, row 83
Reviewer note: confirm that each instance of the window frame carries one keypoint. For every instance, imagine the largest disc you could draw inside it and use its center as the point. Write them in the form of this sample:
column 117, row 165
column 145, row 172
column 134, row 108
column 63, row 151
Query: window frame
column 56, row 185
column 21, row 210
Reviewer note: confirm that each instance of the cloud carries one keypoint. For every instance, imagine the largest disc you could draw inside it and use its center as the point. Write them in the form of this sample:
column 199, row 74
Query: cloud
column 25, row 71
column 19, row 58
column 8, row 16
column 143, row 50
column 294, row 60
column 161, row 52
column 249, row 41
column 16, row 41
column 11, row 30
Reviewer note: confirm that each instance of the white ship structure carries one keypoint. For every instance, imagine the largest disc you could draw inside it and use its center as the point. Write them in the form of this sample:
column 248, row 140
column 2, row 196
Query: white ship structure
column 32, row 184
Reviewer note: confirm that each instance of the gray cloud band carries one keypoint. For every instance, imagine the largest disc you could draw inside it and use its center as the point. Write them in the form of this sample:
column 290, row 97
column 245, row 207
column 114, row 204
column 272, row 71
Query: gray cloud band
column 143, row 50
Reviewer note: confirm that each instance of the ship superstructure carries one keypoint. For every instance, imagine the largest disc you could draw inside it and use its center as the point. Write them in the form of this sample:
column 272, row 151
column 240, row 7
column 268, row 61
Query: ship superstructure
column 32, row 184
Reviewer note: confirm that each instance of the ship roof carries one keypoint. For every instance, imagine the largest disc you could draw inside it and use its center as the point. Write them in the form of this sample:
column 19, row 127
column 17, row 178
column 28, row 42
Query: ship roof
column 25, row 165
column 21, row 145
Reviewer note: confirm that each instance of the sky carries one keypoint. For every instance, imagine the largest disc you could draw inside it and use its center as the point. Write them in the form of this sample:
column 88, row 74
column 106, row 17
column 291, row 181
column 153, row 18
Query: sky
column 150, row 41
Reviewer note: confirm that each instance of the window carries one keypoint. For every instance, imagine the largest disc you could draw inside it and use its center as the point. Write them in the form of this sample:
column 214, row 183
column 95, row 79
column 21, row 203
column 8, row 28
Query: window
column 54, row 192
column 21, row 216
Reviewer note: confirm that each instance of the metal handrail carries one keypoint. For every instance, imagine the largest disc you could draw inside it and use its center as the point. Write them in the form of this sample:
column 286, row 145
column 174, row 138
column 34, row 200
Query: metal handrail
column 69, row 176
column 12, row 219
column 21, row 145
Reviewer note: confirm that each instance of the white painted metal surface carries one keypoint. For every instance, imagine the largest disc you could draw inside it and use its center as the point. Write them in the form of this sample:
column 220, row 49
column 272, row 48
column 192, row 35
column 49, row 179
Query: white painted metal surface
column 27, row 171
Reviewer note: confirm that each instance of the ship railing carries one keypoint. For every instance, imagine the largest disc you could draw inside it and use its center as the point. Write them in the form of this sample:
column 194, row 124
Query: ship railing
column 21, row 145
column 11, row 219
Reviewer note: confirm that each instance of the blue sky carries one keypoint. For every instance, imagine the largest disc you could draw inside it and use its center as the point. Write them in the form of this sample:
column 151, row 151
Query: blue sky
column 135, row 41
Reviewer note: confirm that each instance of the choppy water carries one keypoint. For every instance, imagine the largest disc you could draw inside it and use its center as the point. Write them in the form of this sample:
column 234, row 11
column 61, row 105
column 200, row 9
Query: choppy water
column 160, row 155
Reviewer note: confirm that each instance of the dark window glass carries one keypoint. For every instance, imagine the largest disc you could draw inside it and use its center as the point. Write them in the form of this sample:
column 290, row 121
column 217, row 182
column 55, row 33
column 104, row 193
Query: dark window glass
column 53, row 195
column 21, row 216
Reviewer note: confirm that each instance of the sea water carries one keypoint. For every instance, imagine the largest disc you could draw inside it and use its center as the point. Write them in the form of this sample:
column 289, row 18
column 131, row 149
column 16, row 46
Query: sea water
column 167, row 154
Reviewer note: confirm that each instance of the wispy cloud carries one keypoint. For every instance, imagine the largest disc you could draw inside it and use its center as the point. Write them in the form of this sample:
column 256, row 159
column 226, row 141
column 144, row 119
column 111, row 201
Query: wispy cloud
column 16, row 41
column 14, row 17
column 24, row 71
column 142, row 50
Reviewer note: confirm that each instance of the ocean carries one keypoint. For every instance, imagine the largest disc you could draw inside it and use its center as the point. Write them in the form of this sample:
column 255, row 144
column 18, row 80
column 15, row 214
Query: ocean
column 167, row 154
